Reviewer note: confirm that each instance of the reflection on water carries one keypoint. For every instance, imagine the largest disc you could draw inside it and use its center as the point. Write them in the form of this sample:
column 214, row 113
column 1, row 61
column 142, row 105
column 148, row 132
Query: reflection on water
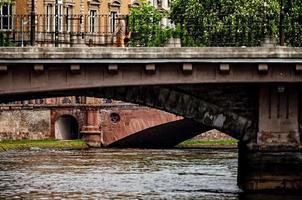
column 120, row 174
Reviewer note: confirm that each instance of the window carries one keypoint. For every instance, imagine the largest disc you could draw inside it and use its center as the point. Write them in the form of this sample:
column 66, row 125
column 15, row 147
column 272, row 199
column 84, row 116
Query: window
column 5, row 17
column 69, row 18
column 59, row 17
column 66, row 100
column 114, row 7
column 113, row 18
column 93, row 19
column 48, row 21
column 115, row 118
column 153, row 2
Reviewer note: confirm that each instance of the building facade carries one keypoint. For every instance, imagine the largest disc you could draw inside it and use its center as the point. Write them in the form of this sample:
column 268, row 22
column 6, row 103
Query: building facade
column 68, row 22
column 63, row 22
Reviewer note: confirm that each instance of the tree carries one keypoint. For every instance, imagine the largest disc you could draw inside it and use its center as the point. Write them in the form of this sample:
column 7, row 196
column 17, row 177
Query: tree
column 232, row 22
column 145, row 26
column 4, row 40
column 5, row 1
column 293, row 22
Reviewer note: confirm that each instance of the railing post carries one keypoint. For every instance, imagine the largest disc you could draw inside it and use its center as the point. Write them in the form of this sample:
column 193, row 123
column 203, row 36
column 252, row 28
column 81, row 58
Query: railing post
column 265, row 21
column 56, row 25
column 269, row 40
column 281, row 25
column 33, row 24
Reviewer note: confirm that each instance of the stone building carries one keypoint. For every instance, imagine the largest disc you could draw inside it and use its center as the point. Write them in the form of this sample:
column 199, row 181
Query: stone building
column 163, row 5
column 76, row 7
column 63, row 22
column 68, row 22
column 159, row 4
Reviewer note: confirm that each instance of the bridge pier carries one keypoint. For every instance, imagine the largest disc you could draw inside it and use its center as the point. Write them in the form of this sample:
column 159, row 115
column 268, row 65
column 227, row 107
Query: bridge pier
column 270, row 170
column 273, row 163
column 91, row 132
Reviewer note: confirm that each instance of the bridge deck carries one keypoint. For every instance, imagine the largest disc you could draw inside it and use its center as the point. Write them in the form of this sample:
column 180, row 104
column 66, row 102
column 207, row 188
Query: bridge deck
column 31, row 70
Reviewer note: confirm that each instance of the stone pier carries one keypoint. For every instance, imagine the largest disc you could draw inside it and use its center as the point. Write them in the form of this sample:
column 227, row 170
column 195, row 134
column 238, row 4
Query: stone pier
column 273, row 163
column 91, row 131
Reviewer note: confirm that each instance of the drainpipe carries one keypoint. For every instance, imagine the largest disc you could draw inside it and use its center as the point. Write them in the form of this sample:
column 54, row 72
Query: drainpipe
column 33, row 23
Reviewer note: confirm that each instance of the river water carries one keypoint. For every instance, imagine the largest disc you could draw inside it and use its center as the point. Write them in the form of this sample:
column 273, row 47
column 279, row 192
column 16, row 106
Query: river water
column 121, row 174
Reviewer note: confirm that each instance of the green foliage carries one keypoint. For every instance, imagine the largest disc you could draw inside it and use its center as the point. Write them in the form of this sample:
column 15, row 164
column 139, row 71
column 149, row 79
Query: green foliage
column 233, row 22
column 293, row 22
column 193, row 143
column 4, row 40
column 145, row 26
column 5, row 1
column 49, row 144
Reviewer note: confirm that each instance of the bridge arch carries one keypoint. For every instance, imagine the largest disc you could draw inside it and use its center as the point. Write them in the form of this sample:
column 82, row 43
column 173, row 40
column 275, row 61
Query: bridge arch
column 210, row 116
column 170, row 99
column 66, row 128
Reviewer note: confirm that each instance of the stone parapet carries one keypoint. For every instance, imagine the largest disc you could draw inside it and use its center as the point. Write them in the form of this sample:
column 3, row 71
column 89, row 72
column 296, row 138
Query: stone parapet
column 172, row 53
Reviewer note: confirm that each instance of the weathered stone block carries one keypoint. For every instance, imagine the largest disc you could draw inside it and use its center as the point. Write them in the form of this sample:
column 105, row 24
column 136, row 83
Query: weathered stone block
column 24, row 124
column 270, row 171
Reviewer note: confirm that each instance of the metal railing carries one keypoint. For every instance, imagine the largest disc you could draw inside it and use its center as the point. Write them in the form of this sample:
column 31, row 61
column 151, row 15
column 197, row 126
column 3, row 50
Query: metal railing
column 60, row 30
column 118, row 30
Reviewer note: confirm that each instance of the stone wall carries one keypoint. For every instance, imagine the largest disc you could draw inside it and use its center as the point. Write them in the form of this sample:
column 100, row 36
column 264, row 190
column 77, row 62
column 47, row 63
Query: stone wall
column 24, row 124
column 115, row 122
column 213, row 135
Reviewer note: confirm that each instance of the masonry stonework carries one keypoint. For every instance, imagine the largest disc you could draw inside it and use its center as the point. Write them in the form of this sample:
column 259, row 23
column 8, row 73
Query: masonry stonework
column 25, row 124
column 118, row 123
column 78, row 113
column 113, row 123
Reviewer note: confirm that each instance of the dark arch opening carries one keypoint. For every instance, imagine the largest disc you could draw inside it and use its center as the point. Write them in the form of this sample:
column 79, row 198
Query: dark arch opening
column 66, row 128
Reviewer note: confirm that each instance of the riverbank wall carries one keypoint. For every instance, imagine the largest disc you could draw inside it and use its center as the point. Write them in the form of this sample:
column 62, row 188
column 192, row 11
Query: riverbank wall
column 64, row 122
column 38, row 122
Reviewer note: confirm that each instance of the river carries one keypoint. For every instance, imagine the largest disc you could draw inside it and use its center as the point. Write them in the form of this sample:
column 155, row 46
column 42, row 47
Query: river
column 122, row 174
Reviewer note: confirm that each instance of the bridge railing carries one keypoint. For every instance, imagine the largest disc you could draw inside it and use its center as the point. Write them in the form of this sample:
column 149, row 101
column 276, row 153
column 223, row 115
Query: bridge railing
column 61, row 30
column 233, row 23
column 219, row 29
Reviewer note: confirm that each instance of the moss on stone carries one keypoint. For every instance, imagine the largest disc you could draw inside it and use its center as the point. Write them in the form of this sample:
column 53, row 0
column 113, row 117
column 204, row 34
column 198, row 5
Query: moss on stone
column 228, row 143
column 43, row 144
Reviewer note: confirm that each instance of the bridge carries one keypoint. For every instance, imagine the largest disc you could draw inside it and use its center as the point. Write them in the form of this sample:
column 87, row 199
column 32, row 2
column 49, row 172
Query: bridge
column 252, row 94
column 121, row 125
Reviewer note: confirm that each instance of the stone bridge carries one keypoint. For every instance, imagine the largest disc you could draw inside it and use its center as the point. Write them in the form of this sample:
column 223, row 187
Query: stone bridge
column 120, row 124
column 252, row 94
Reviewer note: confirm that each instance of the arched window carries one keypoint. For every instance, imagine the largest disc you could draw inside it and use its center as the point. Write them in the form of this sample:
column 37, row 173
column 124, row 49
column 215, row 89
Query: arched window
column 136, row 3
column 114, row 6
column 94, row 6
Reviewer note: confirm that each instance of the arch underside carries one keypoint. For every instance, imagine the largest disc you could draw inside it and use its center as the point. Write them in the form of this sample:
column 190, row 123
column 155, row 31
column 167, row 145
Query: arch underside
column 166, row 135
column 229, row 109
